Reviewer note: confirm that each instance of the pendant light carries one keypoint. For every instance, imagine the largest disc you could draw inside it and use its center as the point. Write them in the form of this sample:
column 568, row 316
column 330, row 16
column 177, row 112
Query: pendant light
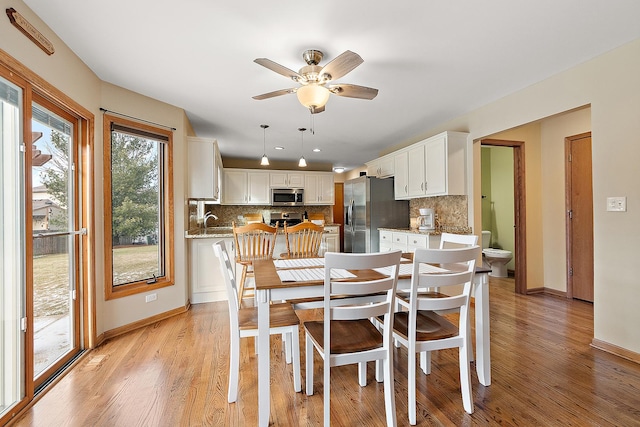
column 265, row 159
column 302, row 163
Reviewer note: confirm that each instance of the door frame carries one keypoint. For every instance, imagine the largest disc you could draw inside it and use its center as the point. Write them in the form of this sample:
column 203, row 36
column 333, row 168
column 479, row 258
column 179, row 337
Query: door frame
column 519, row 209
column 15, row 71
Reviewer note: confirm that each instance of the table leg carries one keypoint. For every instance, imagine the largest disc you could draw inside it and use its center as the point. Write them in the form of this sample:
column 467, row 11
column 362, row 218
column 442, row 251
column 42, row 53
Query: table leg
column 264, row 392
column 483, row 350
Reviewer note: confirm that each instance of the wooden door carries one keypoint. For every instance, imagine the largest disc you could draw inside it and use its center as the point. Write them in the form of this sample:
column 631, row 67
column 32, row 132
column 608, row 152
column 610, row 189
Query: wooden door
column 579, row 201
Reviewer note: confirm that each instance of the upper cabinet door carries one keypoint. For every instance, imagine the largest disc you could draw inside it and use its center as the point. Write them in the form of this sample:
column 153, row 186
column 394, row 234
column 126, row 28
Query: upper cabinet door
column 286, row 180
column 436, row 166
column 235, row 187
column 416, row 171
column 203, row 158
column 319, row 189
column 401, row 181
column 258, row 190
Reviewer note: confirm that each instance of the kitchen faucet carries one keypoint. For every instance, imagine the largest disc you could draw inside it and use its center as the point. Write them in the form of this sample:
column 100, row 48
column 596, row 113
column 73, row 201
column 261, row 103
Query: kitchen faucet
column 207, row 216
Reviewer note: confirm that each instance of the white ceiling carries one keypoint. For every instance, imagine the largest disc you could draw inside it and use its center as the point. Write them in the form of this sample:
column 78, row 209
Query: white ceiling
column 431, row 61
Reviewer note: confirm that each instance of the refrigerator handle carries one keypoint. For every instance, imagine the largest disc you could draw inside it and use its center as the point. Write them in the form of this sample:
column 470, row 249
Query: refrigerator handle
column 351, row 208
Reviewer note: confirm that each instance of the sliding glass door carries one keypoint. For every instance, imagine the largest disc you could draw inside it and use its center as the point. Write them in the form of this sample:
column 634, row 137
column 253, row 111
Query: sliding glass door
column 55, row 239
column 12, row 249
column 40, row 242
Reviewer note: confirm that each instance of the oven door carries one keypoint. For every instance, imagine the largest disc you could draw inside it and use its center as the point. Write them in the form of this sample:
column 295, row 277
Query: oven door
column 287, row 197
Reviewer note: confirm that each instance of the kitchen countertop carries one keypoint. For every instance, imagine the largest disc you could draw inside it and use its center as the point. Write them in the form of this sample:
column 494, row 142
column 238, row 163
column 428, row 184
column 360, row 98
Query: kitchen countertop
column 220, row 232
column 437, row 232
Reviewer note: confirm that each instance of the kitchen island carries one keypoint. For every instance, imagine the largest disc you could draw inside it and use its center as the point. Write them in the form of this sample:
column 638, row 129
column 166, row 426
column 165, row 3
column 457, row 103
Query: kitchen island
column 206, row 282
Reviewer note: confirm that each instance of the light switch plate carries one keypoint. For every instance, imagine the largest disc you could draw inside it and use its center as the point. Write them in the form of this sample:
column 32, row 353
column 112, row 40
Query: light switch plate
column 616, row 204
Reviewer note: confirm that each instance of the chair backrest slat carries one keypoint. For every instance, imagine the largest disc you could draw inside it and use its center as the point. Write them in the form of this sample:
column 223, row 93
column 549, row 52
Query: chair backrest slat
column 456, row 284
column 254, row 241
column 359, row 309
column 303, row 240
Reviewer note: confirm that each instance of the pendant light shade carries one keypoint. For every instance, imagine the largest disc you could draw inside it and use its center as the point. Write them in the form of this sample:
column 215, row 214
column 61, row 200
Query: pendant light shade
column 265, row 159
column 302, row 163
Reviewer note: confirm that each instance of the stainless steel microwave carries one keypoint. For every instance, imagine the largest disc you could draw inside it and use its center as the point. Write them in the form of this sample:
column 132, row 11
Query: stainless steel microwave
column 287, row 197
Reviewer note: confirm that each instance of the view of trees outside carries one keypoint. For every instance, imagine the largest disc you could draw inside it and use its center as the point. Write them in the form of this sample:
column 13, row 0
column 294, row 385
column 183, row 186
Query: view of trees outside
column 135, row 201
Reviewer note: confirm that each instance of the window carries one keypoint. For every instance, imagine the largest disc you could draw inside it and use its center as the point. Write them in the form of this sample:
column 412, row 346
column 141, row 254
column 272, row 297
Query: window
column 138, row 207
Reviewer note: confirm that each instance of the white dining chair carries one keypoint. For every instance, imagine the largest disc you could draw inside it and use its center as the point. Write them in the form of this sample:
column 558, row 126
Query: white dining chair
column 346, row 335
column 421, row 329
column 243, row 322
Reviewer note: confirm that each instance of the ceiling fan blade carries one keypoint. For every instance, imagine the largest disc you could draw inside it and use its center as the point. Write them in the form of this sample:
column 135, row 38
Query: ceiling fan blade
column 280, row 69
column 353, row 91
column 274, row 94
column 342, row 64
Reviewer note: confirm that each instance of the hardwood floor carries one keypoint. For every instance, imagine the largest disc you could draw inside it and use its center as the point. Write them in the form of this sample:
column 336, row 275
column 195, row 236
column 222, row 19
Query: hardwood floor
column 174, row 373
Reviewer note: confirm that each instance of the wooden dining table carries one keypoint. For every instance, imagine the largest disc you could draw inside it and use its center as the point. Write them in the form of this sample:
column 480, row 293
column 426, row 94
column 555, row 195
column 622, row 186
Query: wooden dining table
column 303, row 282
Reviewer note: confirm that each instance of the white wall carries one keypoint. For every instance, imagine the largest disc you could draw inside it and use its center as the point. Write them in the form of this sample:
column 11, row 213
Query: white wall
column 609, row 83
column 64, row 71
column 553, row 132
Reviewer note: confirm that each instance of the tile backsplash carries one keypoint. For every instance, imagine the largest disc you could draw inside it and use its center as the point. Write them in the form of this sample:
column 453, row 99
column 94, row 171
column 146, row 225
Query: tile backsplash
column 451, row 211
column 228, row 213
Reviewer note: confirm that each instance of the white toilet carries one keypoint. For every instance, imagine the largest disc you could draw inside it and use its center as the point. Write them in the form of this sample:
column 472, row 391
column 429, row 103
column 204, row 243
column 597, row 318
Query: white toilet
column 496, row 259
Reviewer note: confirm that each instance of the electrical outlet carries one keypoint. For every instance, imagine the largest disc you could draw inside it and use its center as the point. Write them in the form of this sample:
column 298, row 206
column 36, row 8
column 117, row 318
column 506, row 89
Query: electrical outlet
column 616, row 204
column 151, row 297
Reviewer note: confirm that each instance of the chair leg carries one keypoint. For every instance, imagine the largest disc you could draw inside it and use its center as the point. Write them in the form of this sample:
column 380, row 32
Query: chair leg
column 362, row 373
column 309, row 365
column 234, row 368
column 389, row 394
column 425, row 362
column 465, row 380
column 286, row 343
column 379, row 371
column 411, row 386
column 294, row 344
column 326, row 373
column 242, row 279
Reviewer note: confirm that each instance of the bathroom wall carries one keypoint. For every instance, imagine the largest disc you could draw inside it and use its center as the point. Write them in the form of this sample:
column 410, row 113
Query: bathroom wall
column 498, row 206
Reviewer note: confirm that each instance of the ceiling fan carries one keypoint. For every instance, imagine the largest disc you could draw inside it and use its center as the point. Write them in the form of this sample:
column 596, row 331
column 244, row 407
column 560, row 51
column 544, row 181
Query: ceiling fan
column 315, row 80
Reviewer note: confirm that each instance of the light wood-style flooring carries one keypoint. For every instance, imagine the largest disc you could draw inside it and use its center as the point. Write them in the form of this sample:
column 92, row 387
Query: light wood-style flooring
column 174, row 373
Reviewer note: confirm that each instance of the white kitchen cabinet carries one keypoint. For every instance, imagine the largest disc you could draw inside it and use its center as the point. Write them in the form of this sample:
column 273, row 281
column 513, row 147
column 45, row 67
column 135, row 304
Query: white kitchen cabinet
column 206, row 280
column 407, row 241
column 319, row 189
column 204, row 164
column 382, row 167
column 246, row 187
column 386, row 238
column 446, row 164
column 401, row 180
column 330, row 239
column 416, row 170
column 286, row 180
column 436, row 166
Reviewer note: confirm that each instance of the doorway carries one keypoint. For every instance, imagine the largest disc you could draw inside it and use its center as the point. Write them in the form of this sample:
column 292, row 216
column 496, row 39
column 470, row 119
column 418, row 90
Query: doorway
column 519, row 209
column 579, row 223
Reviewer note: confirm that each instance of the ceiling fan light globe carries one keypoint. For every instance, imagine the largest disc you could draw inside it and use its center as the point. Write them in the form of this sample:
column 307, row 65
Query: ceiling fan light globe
column 313, row 95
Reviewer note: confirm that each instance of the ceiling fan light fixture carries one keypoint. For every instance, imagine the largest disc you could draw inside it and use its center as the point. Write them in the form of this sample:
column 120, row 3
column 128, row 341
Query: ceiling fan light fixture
column 313, row 95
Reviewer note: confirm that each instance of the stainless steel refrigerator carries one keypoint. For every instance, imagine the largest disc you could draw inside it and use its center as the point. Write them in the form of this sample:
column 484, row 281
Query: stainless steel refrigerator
column 368, row 205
